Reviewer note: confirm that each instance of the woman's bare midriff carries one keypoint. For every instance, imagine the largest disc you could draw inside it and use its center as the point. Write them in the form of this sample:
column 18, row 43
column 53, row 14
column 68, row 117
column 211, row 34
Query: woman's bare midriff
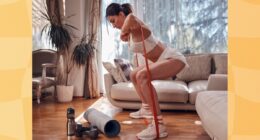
column 156, row 52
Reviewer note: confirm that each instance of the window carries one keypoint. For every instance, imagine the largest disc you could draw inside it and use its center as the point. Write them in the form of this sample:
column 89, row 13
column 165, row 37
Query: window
column 38, row 23
column 191, row 26
column 112, row 46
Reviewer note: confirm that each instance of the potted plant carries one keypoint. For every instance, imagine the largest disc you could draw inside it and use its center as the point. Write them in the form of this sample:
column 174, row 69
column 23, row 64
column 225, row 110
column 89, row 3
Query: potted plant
column 60, row 38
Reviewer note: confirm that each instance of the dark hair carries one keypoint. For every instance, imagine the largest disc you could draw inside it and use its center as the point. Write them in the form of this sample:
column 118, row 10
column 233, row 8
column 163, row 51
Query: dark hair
column 114, row 9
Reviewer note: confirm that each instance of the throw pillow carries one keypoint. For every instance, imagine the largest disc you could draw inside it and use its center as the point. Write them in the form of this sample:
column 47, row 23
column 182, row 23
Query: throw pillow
column 220, row 61
column 199, row 68
column 124, row 67
column 111, row 68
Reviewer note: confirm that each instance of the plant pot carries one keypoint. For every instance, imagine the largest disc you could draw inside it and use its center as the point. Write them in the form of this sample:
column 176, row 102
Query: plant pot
column 64, row 93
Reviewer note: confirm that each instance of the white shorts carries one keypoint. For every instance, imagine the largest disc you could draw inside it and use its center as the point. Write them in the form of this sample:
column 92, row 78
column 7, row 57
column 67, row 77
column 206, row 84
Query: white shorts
column 173, row 53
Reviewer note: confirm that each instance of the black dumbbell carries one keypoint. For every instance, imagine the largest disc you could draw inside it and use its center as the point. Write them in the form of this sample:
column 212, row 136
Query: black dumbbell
column 90, row 131
column 79, row 128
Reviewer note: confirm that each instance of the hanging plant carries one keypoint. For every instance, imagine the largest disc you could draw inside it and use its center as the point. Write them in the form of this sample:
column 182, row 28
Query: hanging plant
column 83, row 55
column 83, row 52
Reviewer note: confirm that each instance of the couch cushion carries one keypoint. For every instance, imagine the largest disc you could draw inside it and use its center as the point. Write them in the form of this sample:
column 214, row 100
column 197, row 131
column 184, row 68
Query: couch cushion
column 195, row 87
column 124, row 67
column 199, row 68
column 220, row 61
column 167, row 91
column 211, row 107
column 111, row 68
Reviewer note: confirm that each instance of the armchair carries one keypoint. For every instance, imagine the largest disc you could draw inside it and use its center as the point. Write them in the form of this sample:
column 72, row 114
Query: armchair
column 43, row 70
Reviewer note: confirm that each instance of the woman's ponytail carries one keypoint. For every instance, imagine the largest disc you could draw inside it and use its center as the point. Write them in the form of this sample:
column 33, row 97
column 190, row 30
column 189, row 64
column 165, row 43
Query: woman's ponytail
column 115, row 8
column 127, row 8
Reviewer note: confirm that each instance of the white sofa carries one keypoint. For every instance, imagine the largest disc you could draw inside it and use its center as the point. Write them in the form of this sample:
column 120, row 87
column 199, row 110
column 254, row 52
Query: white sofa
column 177, row 94
column 211, row 106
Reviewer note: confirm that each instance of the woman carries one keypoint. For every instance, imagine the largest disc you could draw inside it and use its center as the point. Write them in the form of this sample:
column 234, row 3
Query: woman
column 167, row 63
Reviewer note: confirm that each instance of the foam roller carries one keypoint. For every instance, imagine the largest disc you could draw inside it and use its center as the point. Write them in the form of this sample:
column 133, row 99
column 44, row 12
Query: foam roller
column 104, row 123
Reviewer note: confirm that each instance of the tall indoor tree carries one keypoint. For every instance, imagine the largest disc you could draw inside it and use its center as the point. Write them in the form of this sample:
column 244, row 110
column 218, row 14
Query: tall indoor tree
column 59, row 34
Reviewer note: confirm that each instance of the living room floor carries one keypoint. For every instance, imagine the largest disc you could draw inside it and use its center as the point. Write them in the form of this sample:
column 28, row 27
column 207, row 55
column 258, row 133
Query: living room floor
column 49, row 121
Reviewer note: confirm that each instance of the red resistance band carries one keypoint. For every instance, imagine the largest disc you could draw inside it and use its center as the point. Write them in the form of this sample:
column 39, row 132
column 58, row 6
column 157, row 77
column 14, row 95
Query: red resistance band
column 149, row 78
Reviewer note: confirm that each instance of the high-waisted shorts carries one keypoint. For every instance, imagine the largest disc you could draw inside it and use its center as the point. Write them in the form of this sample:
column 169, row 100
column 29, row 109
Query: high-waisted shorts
column 173, row 53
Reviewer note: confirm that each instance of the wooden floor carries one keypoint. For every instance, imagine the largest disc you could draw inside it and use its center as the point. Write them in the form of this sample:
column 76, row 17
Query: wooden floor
column 49, row 121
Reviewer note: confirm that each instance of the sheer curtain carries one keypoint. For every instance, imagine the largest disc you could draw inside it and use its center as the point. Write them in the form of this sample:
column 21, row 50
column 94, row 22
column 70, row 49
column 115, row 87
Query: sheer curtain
column 93, row 8
column 192, row 26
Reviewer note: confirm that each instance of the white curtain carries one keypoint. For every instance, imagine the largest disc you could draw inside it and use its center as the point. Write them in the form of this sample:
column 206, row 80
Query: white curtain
column 192, row 26
column 92, row 75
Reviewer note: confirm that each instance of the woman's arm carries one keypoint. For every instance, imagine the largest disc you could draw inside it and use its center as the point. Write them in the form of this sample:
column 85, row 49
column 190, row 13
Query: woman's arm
column 131, row 23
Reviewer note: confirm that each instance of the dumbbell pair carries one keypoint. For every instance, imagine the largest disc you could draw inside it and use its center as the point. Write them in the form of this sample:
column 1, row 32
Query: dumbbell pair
column 91, row 131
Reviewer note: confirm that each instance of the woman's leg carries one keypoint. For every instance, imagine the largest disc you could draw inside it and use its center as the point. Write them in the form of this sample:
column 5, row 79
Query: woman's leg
column 144, row 111
column 159, row 70
column 136, row 86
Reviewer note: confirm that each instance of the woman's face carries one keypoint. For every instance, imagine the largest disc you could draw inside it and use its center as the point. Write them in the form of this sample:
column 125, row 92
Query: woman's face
column 117, row 21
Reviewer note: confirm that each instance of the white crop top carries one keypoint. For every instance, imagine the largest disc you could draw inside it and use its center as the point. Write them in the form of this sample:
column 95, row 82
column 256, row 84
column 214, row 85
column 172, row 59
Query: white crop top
column 137, row 47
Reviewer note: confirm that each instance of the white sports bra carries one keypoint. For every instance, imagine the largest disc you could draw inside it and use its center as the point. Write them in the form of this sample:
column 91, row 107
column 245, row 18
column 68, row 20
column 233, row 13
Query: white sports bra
column 137, row 47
